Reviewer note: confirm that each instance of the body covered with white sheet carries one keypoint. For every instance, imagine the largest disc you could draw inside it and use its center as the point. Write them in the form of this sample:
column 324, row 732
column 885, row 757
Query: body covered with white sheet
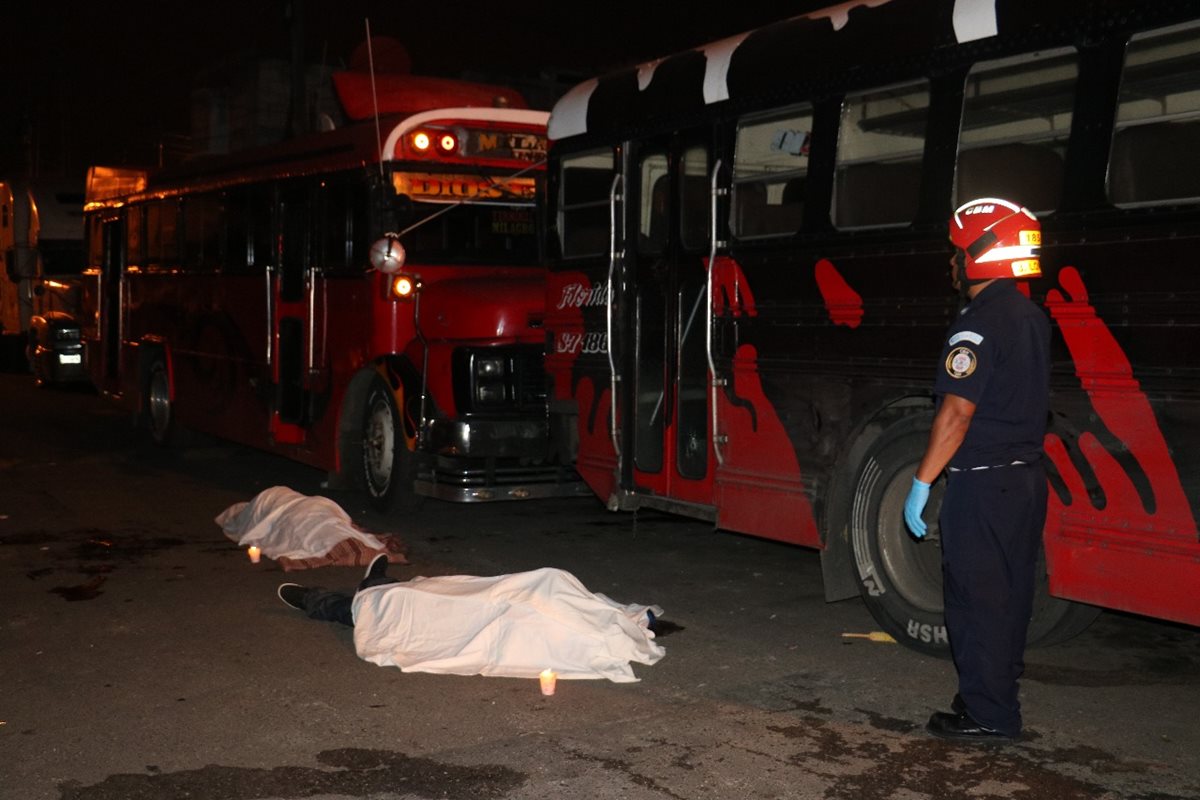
column 509, row 626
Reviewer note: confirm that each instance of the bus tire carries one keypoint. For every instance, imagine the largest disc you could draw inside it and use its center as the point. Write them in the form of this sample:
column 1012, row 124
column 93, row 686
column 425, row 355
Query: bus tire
column 387, row 468
column 159, row 409
column 900, row 577
column 1056, row 620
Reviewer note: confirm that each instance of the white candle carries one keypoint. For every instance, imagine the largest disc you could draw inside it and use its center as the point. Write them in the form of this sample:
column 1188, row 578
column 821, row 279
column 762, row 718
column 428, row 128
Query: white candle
column 548, row 679
column 255, row 554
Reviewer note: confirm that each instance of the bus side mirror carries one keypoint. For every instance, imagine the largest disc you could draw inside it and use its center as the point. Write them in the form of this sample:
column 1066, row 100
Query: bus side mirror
column 387, row 255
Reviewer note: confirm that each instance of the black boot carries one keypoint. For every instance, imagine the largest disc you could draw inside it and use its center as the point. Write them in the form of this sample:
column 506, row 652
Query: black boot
column 292, row 595
column 377, row 568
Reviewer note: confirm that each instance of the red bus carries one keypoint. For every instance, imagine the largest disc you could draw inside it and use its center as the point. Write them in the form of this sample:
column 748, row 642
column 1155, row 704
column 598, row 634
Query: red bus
column 749, row 284
column 235, row 295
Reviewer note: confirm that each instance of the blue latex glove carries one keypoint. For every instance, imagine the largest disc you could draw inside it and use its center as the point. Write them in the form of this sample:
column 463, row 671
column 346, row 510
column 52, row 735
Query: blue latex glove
column 918, row 496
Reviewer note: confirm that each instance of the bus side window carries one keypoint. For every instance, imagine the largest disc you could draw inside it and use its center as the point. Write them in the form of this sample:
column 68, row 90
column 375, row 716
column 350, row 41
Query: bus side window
column 260, row 205
column 769, row 167
column 296, row 237
column 583, row 219
column 653, row 219
column 333, row 224
column 1015, row 123
column 95, row 239
column 238, row 258
column 203, row 225
column 880, row 143
column 359, row 242
column 135, row 240
column 1155, row 157
column 694, row 208
column 162, row 234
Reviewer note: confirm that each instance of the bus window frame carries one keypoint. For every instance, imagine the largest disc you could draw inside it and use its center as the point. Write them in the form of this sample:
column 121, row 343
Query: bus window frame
column 654, row 221
column 1119, row 126
column 702, row 209
column 738, row 185
column 209, row 262
column 1060, row 138
column 916, row 157
column 562, row 208
column 166, row 256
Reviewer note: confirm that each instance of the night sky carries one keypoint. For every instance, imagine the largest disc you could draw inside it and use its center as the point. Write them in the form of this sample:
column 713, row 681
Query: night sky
column 88, row 82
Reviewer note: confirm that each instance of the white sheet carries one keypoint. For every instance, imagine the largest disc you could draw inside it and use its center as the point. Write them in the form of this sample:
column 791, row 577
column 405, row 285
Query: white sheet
column 510, row 626
column 285, row 523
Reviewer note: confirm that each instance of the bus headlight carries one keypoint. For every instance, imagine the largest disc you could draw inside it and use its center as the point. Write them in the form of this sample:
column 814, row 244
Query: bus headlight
column 489, row 374
column 489, row 367
column 491, row 393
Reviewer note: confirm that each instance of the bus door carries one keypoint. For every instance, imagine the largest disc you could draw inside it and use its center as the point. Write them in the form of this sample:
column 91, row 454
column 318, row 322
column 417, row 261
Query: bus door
column 293, row 317
column 672, row 457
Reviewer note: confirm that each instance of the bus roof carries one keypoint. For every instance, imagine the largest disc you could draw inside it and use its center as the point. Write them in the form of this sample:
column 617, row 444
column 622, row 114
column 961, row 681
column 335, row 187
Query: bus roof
column 861, row 41
column 351, row 146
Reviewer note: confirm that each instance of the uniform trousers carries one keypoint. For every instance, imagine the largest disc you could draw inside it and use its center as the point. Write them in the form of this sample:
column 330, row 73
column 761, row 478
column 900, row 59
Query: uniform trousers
column 991, row 531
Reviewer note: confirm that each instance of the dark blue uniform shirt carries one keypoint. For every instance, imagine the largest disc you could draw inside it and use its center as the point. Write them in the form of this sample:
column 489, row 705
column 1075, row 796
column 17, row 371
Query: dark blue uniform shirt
column 997, row 355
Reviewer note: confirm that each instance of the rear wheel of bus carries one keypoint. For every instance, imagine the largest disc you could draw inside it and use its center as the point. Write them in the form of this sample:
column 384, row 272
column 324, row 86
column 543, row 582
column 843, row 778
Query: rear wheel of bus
column 899, row 577
column 387, row 467
column 158, row 410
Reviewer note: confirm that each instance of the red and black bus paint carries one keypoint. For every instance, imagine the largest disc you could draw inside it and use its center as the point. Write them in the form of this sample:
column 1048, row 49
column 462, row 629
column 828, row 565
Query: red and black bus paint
column 823, row 342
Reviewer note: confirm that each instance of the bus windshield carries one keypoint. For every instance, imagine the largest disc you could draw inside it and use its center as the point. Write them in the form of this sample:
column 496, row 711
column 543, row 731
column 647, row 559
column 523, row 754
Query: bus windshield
column 466, row 219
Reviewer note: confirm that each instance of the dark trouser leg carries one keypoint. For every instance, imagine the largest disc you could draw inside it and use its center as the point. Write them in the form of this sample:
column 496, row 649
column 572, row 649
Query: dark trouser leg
column 321, row 604
column 381, row 580
column 328, row 606
column 991, row 526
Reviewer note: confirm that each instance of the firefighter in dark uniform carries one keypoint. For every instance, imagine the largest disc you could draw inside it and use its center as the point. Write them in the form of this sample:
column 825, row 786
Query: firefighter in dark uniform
column 993, row 398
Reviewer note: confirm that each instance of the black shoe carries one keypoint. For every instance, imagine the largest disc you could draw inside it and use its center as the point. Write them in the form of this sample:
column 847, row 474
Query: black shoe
column 292, row 594
column 963, row 728
column 377, row 568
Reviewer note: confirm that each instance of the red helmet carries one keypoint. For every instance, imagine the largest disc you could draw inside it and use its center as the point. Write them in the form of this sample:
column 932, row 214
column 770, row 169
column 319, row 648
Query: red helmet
column 996, row 239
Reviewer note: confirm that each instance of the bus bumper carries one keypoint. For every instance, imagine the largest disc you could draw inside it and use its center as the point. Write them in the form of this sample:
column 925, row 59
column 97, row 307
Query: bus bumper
column 474, row 461
column 488, row 438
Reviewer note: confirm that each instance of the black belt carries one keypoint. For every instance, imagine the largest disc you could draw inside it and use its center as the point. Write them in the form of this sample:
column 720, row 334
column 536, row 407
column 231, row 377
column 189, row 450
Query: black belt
column 989, row 466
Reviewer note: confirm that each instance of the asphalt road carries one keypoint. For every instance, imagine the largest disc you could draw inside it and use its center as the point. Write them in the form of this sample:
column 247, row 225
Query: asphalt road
column 143, row 656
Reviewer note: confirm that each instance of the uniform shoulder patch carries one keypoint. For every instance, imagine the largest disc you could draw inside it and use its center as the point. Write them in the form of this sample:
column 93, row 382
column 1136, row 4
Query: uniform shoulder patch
column 966, row 336
column 960, row 362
